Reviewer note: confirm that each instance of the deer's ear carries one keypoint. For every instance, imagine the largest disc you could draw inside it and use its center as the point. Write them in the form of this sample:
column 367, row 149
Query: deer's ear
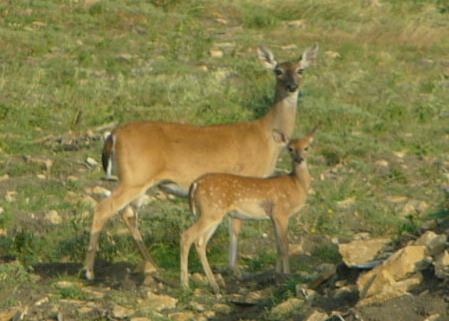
column 279, row 137
column 309, row 57
column 267, row 58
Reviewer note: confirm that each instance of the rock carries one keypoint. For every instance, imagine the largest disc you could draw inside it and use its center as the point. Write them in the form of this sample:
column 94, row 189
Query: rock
column 10, row 196
column 286, row 307
column 121, row 312
column 400, row 154
column 345, row 292
column 316, row 316
column 435, row 243
column 346, row 203
column 143, row 319
column 182, row 316
column 222, row 308
column 101, row 191
column 303, row 292
column 326, row 271
column 88, row 201
column 414, row 207
column 382, row 281
column 91, row 162
column 442, row 265
column 382, row 163
column 295, row 23
column 72, row 178
column 216, row 53
column 53, row 217
column 359, row 252
column 41, row 301
column 161, row 301
column 67, row 284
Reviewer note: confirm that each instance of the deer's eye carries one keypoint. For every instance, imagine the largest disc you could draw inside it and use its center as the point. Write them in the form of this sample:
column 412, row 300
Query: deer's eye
column 306, row 148
column 290, row 149
column 278, row 71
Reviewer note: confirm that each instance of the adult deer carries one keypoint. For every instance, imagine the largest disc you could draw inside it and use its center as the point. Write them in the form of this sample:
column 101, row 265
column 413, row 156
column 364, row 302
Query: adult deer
column 172, row 155
column 214, row 196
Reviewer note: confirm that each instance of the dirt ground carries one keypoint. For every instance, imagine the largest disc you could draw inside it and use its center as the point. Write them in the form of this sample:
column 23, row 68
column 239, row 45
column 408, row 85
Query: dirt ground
column 429, row 302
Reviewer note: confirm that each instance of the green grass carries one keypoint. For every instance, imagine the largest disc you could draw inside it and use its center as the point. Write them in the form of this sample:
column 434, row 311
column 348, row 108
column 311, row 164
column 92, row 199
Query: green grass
column 68, row 68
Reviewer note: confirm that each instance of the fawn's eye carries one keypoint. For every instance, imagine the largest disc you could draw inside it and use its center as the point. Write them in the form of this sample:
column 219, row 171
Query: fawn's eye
column 290, row 149
column 278, row 71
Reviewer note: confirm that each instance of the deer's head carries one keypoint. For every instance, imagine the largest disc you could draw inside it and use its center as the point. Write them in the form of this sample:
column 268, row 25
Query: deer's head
column 289, row 73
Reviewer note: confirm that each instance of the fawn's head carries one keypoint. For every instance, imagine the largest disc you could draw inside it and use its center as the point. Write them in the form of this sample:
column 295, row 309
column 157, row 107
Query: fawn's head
column 300, row 147
column 289, row 73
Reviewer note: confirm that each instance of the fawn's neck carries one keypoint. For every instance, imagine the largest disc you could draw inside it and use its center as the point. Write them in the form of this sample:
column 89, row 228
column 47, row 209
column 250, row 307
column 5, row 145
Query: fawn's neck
column 301, row 174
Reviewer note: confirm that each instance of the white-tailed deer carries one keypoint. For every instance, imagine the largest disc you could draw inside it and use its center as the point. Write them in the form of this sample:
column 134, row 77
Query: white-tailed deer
column 214, row 196
column 171, row 155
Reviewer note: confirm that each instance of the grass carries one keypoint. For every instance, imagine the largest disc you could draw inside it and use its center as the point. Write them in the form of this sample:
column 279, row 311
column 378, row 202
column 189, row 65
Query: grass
column 380, row 91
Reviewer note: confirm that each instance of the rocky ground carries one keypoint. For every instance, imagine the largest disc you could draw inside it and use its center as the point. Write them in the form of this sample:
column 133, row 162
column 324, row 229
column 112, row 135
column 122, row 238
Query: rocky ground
column 376, row 280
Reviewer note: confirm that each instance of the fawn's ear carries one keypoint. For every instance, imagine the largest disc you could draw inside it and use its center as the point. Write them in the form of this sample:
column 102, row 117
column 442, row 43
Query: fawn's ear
column 279, row 137
column 309, row 57
column 313, row 130
column 267, row 58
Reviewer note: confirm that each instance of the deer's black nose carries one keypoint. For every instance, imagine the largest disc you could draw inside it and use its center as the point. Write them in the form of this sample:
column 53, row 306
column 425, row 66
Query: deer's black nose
column 292, row 87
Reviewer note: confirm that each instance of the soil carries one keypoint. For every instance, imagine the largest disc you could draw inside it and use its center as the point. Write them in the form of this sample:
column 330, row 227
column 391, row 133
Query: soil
column 430, row 302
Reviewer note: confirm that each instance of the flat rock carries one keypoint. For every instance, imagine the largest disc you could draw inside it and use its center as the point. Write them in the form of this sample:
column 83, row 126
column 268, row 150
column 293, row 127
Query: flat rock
column 161, row 301
column 316, row 316
column 435, row 243
column 286, row 307
column 359, row 252
column 442, row 265
column 382, row 280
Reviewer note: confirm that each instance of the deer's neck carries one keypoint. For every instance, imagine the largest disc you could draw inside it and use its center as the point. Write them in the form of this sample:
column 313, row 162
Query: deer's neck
column 282, row 114
column 302, row 175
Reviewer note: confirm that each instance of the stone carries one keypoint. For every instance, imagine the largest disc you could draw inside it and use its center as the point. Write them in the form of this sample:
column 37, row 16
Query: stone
column 404, row 261
column 316, row 316
column 344, row 292
column 216, row 53
column 10, row 196
column 182, row 316
column 326, row 271
column 333, row 55
column 141, row 319
column 435, row 243
column 442, row 265
column 286, row 307
column 121, row 312
column 414, row 207
column 91, row 162
column 303, row 292
column 101, row 191
column 295, row 23
column 361, row 251
column 88, row 201
column 346, row 203
column 162, row 301
column 53, row 217
column 382, row 163
column 222, row 308
column 382, row 281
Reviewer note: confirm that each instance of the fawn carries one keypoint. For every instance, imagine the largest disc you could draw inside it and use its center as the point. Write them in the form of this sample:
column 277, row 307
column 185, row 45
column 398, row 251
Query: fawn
column 214, row 196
